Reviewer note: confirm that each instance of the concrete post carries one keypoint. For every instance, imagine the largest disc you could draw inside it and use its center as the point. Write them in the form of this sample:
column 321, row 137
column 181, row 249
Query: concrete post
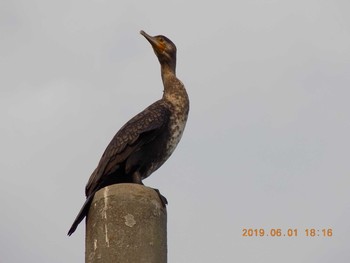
column 126, row 224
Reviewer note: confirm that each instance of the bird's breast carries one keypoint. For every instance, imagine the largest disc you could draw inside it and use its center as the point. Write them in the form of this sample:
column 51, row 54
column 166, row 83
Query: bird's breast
column 176, row 128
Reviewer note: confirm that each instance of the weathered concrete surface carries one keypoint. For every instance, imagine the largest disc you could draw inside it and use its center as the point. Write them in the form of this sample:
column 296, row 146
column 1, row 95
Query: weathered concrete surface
column 127, row 224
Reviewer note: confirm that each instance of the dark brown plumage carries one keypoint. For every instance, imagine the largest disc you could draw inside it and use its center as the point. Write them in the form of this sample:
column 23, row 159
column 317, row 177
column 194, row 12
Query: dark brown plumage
column 145, row 142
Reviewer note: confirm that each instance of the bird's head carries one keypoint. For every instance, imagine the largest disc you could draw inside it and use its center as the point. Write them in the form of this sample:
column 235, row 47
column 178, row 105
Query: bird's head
column 163, row 47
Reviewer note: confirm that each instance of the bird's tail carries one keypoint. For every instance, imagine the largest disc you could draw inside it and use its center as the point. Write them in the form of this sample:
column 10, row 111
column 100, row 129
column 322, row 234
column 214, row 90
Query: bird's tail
column 82, row 213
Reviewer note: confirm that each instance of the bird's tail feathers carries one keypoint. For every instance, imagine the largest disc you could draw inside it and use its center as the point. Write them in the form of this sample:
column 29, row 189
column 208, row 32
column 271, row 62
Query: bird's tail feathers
column 82, row 213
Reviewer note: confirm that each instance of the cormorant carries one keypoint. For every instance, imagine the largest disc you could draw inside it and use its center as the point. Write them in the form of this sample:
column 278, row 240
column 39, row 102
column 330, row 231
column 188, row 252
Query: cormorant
column 145, row 142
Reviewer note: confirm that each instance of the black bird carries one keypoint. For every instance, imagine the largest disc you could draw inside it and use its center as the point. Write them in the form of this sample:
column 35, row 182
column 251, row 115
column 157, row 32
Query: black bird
column 145, row 142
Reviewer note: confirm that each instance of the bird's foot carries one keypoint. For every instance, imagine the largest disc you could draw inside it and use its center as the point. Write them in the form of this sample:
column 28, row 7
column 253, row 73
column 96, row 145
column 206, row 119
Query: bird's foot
column 136, row 178
column 162, row 198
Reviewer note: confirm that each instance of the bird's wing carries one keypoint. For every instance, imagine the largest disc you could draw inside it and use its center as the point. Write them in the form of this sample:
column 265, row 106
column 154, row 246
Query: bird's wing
column 141, row 129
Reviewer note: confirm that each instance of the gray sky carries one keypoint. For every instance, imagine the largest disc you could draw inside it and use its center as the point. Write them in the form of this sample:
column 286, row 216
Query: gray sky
column 266, row 145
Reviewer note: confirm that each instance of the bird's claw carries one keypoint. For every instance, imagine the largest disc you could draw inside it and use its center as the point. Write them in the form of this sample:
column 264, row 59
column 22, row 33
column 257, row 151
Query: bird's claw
column 162, row 198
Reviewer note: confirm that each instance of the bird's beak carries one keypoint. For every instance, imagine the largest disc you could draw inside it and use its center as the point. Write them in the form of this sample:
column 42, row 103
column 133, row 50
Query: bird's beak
column 157, row 46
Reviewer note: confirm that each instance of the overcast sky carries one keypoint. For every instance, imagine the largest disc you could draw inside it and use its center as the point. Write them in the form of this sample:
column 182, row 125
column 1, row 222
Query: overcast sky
column 266, row 144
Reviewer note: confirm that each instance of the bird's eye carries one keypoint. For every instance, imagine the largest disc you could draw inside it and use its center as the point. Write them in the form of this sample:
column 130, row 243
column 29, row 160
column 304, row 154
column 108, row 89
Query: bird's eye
column 161, row 39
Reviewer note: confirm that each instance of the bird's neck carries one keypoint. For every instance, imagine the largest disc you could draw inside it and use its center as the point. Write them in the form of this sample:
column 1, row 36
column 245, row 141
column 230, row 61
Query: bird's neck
column 169, row 78
column 168, row 72
column 174, row 90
